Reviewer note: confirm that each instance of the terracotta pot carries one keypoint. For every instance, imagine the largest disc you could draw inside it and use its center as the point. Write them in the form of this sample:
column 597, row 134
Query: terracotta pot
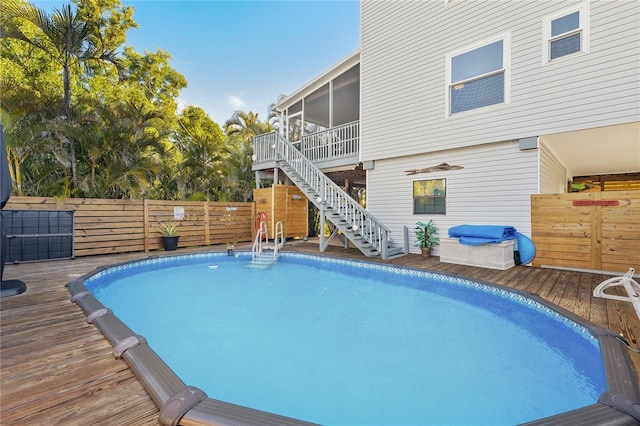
column 426, row 251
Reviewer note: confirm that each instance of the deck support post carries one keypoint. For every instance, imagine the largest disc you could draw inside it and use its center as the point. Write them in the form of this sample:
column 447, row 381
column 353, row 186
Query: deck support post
column 322, row 220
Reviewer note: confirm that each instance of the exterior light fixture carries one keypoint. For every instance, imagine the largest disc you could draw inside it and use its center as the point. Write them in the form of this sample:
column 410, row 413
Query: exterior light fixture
column 319, row 199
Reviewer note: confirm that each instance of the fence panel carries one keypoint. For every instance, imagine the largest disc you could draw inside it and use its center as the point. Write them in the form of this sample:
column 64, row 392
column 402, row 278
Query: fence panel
column 587, row 230
column 119, row 226
column 286, row 204
column 231, row 222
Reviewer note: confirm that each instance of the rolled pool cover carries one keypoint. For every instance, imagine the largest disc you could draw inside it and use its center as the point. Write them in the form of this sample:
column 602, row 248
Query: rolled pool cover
column 482, row 234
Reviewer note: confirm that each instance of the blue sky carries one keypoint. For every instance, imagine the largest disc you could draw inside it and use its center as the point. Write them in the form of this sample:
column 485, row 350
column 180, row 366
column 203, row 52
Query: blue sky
column 243, row 54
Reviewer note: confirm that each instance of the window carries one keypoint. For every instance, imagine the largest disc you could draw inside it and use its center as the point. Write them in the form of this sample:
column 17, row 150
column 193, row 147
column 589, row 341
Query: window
column 566, row 33
column 430, row 196
column 478, row 76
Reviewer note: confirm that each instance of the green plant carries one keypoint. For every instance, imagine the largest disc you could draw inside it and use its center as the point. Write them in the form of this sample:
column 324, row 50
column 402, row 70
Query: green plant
column 169, row 229
column 426, row 235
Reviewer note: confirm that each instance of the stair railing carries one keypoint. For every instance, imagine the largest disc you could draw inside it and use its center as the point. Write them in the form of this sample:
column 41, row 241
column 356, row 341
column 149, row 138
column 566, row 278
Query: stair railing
column 256, row 248
column 261, row 234
column 331, row 196
column 278, row 239
column 262, row 239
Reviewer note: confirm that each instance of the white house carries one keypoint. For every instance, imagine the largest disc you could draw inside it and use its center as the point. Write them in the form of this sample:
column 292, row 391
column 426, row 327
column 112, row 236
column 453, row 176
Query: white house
column 458, row 111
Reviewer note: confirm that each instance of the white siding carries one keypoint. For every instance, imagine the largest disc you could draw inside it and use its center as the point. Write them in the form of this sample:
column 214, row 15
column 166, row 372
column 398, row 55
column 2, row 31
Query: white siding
column 494, row 188
column 553, row 174
column 403, row 65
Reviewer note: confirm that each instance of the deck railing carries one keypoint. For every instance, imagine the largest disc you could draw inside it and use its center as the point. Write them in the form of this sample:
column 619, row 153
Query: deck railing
column 332, row 144
column 336, row 142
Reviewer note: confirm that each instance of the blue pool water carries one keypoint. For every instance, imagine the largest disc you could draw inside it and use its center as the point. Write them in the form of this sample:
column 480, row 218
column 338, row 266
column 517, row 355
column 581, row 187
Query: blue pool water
column 337, row 342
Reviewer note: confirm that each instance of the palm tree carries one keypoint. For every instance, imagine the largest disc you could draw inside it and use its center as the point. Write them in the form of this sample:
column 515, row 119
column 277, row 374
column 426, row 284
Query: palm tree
column 67, row 39
column 245, row 125
column 240, row 130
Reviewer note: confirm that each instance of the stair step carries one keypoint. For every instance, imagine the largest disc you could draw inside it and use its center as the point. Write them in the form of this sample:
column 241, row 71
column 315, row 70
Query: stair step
column 262, row 262
column 392, row 251
column 265, row 258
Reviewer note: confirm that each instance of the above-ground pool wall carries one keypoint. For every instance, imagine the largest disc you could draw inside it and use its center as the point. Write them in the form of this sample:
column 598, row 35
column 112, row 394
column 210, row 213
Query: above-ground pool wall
column 493, row 187
column 181, row 404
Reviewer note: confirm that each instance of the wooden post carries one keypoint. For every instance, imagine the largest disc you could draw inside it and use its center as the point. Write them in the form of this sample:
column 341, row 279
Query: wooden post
column 271, row 220
column 253, row 221
column 145, row 219
column 596, row 234
column 207, row 236
column 321, row 234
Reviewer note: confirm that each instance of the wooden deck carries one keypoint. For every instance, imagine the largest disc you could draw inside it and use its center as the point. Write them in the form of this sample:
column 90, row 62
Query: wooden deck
column 58, row 369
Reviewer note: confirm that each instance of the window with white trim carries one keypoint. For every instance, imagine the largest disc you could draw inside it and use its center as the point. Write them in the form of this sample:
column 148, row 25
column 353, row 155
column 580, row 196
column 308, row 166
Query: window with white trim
column 566, row 33
column 478, row 76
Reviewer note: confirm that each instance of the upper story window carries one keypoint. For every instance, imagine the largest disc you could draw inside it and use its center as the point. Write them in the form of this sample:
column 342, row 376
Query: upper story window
column 478, row 76
column 566, row 33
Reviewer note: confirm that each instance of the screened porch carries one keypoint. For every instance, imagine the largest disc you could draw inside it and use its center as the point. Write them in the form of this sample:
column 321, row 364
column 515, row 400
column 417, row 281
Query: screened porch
column 321, row 119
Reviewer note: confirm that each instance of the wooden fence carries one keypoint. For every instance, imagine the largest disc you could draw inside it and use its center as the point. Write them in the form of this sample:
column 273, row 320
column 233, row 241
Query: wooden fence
column 587, row 230
column 286, row 204
column 119, row 226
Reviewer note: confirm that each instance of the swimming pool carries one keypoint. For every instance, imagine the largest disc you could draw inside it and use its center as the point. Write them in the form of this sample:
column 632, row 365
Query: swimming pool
column 395, row 345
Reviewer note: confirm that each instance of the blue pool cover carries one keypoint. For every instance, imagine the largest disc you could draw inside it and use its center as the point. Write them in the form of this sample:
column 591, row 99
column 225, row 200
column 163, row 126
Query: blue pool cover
column 482, row 234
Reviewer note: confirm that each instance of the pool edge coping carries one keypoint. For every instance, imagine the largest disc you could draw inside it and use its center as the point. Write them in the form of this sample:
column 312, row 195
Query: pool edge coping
column 183, row 404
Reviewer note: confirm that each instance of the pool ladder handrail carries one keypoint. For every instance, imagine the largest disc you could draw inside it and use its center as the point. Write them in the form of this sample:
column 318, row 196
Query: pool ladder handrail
column 263, row 234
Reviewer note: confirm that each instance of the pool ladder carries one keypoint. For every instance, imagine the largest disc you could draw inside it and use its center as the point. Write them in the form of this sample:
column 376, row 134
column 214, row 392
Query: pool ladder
column 264, row 254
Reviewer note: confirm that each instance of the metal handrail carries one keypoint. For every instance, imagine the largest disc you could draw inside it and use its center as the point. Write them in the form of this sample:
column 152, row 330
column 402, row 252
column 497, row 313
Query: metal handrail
column 331, row 196
column 258, row 246
column 279, row 232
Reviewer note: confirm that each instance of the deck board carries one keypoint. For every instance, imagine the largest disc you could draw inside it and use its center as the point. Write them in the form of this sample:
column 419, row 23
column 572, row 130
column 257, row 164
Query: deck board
column 55, row 368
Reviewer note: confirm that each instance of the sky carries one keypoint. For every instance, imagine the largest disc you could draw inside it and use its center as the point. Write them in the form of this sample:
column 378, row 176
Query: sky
column 241, row 55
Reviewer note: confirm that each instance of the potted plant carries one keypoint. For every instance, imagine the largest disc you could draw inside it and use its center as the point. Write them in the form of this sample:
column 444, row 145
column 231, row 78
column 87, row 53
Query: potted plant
column 426, row 237
column 170, row 235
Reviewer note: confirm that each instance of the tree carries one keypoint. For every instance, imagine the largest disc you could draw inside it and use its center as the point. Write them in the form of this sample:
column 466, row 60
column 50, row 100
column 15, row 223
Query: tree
column 129, row 127
column 110, row 127
column 122, row 118
column 30, row 89
column 68, row 40
column 245, row 125
column 241, row 129
column 205, row 156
